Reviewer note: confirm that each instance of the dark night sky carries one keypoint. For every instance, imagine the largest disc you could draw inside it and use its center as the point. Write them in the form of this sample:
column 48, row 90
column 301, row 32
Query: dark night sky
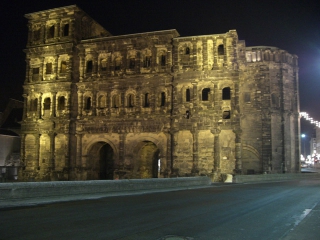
column 291, row 25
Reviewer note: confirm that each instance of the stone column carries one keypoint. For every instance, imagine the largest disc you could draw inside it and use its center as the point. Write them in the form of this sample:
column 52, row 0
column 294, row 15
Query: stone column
column 79, row 161
column 51, row 164
column 54, row 103
column 195, row 151
column 37, row 151
column 94, row 103
column 39, row 109
column 56, row 72
column 122, row 137
column 81, row 67
column 194, row 53
column 216, row 133
column 80, row 104
column 238, row 153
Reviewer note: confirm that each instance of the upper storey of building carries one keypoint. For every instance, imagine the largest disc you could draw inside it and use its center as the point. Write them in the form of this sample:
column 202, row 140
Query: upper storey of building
column 258, row 54
column 58, row 25
column 207, row 52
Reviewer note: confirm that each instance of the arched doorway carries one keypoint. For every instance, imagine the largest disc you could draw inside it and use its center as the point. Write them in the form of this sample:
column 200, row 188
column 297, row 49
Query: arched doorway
column 100, row 162
column 149, row 161
column 251, row 163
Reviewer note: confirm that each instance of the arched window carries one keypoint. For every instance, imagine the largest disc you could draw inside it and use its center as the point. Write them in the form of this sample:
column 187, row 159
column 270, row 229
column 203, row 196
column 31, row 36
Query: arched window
column 103, row 65
column 130, row 101
column 66, row 30
column 49, row 68
column 147, row 62
column 46, row 104
column 50, row 32
column 115, row 101
column 35, row 73
column 205, row 94
column 132, row 63
column 187, row 50
column 36, row 34
column 163, row 99
column 163, row 60
column 117, row 64
column 102, row 101
column 226, row 114
column 63, row 67
column 221, row 49
column 226, row 94
column 89, row 66
column 87, row 103
column 146, row 100
column 188, row 95
column 61, row 103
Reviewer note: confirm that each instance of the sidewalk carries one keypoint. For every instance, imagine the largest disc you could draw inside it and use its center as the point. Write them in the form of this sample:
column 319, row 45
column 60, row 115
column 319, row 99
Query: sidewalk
column 308, row 228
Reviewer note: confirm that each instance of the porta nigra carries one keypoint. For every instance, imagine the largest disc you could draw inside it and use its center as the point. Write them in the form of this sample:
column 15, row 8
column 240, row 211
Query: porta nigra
column 153, row 104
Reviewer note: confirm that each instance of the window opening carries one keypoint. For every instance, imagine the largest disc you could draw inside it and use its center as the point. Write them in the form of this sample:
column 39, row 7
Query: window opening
column 35, row 71
column 205, row 94
column 187, row 114
column 221, row 49
column 102, row 102
column 147, row 61
column 188, row 95
column 163, row 99
column 163, row 60
column 49, row 68
column 115, row 101
column 63, row 67
column 187, row 50
column 61, row 103
column 132, row 63
column 36, row 35
column 103, row 64
column 87, row 103
column 117, row 64
column 146, row 100
column 46, row 104
column 226, row 115
column 89, row 66
column 51, row 32
column 66, row 30
column 130, row 100
column 226, row 95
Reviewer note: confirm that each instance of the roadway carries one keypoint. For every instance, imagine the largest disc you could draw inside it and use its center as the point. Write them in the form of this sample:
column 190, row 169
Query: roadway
column 282, row 210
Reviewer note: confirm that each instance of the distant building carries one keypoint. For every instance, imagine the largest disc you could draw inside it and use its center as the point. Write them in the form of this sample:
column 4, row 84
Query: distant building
column 153, row 104
column 10, row 140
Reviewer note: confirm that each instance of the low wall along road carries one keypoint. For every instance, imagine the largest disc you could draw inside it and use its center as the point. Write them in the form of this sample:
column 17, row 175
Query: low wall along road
column 26, row 193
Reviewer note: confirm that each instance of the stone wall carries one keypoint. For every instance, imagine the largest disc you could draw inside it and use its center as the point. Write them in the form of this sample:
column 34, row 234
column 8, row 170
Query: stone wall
column 153, row 104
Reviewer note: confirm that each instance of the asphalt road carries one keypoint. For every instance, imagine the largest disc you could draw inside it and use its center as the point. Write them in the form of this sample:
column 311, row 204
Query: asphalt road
column 282, row 210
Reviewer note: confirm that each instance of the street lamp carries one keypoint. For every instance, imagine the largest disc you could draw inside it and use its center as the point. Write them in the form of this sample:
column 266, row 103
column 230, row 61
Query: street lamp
column 304, row 145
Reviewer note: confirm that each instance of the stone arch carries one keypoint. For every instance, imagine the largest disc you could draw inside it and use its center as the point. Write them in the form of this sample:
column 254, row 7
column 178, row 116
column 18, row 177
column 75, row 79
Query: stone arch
column 250, row 160
column 100, row 161
column 147, row 153
column 147, row 160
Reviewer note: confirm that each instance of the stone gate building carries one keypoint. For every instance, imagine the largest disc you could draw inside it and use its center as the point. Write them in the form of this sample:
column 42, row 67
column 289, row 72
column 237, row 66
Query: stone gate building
column 153, row 104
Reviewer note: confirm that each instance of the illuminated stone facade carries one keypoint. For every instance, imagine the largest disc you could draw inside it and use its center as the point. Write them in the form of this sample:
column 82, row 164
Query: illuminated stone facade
column 153, row 104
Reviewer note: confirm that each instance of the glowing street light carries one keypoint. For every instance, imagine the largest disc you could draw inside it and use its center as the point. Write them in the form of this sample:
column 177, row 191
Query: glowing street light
column 304, row 145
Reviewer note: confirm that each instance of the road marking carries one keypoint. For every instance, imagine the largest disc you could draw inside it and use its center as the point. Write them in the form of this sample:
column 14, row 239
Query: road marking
column 302, row 216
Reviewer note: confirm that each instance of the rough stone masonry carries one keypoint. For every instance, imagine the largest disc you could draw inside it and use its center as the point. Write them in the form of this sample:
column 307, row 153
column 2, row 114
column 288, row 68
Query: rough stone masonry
column 153, row 104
